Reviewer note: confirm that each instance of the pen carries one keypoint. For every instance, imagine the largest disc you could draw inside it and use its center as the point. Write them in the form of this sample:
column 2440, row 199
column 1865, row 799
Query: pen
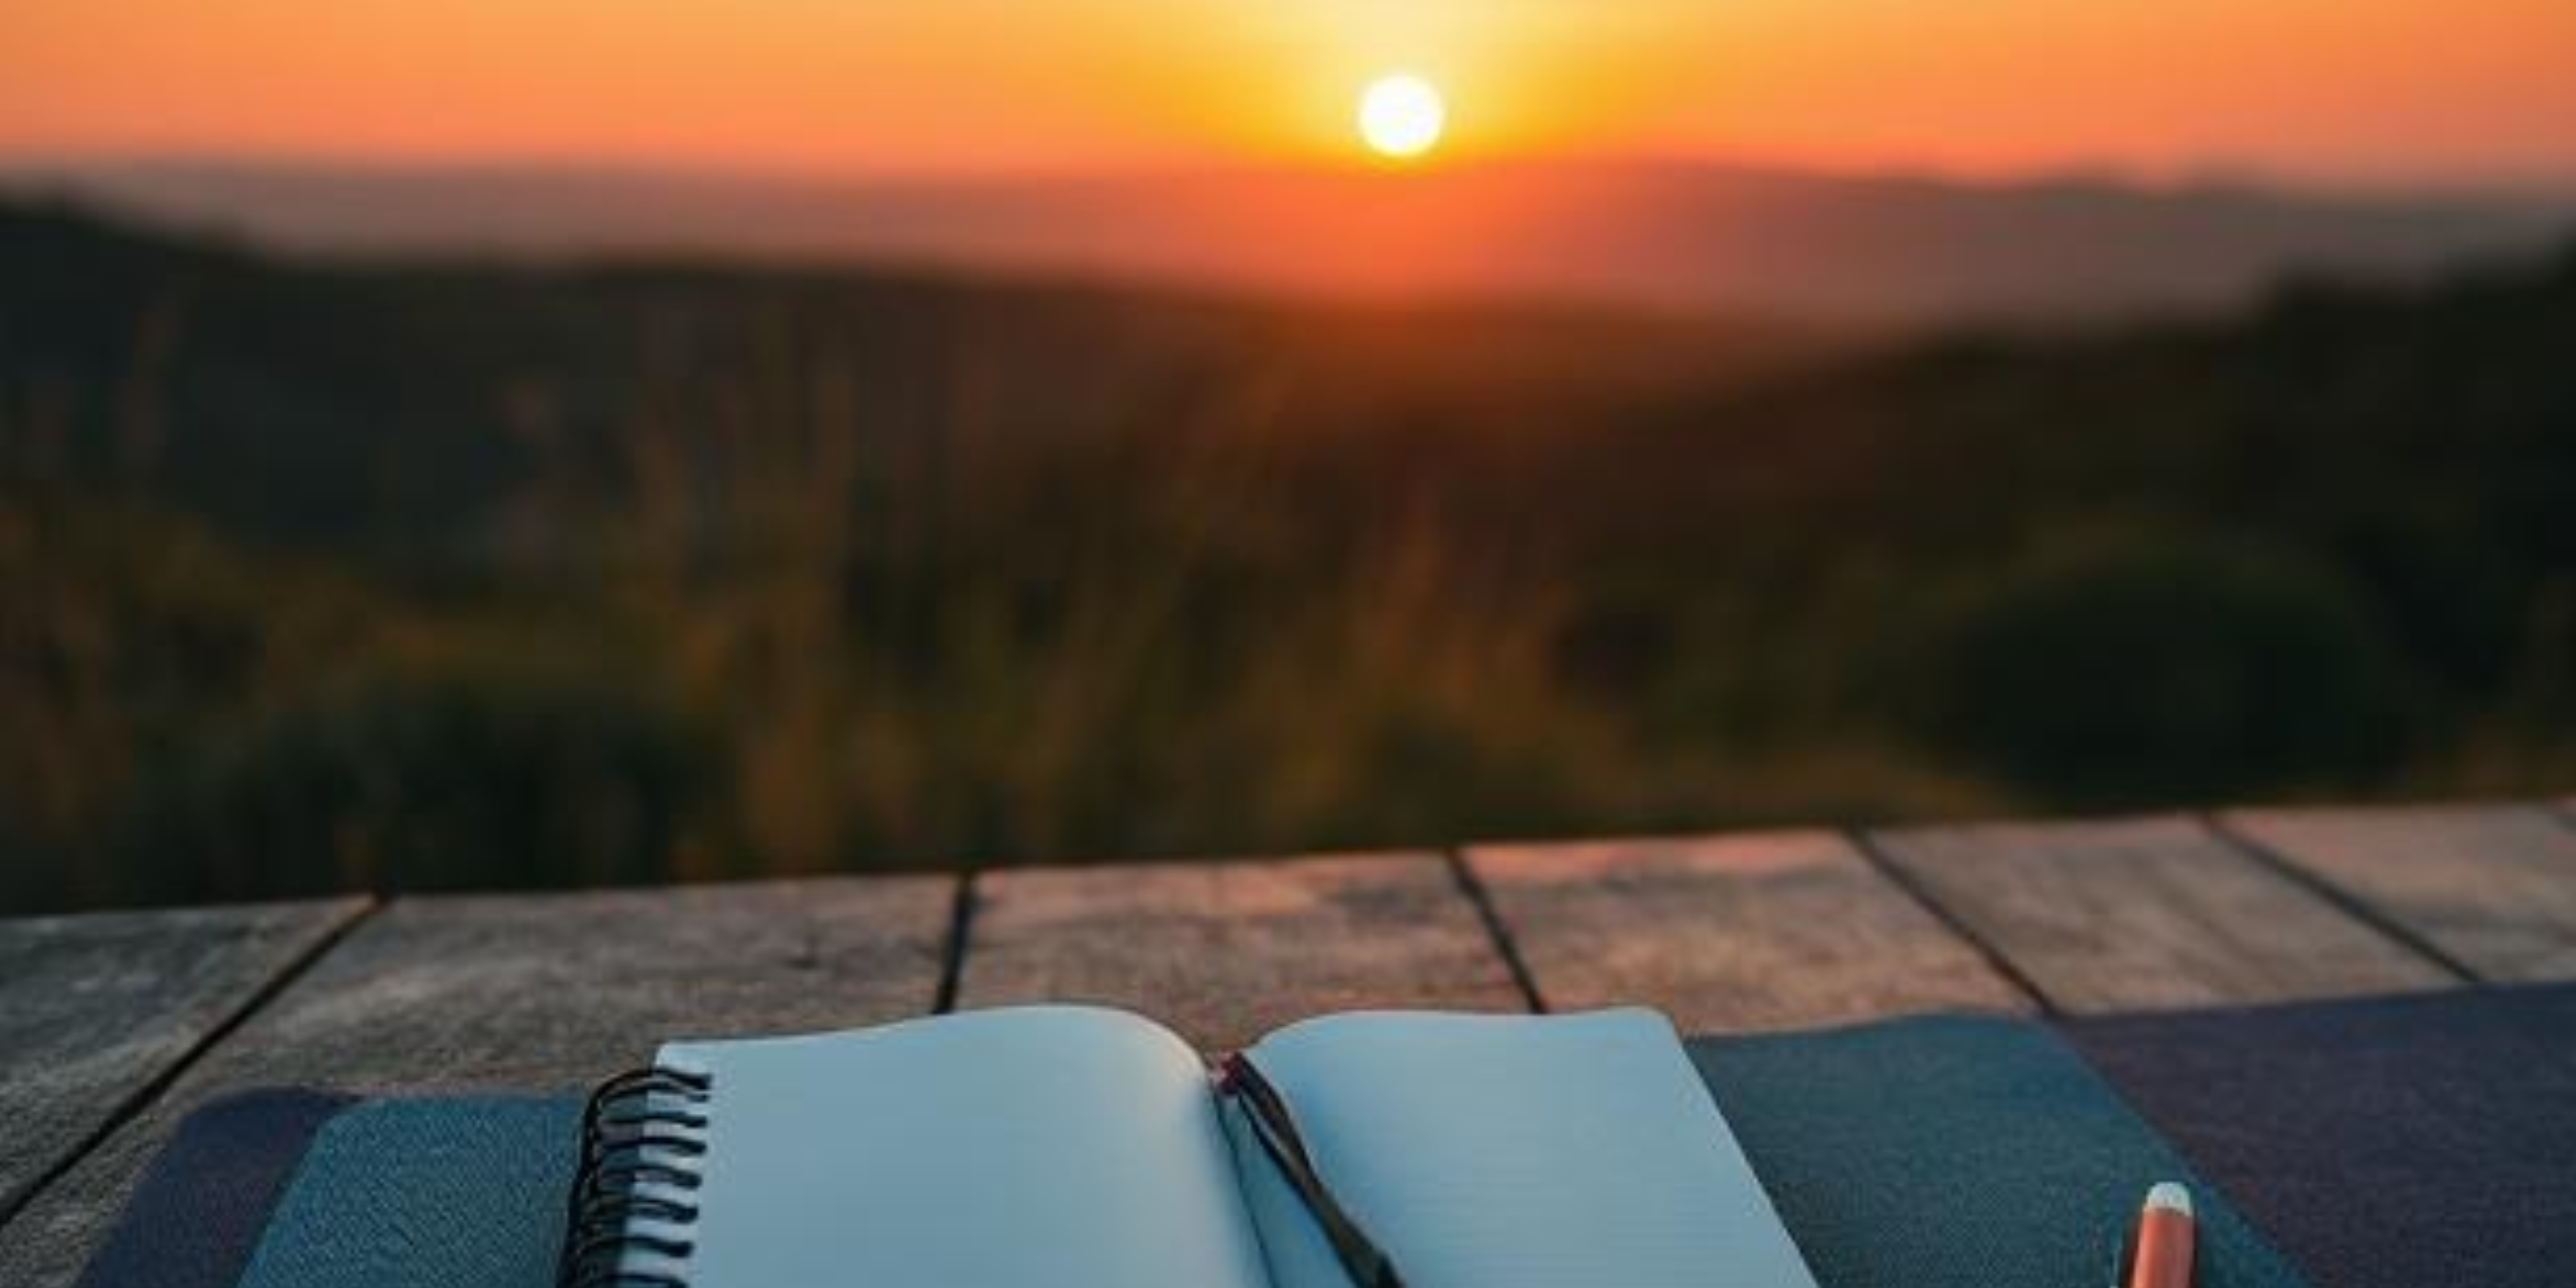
column 2160, row 1253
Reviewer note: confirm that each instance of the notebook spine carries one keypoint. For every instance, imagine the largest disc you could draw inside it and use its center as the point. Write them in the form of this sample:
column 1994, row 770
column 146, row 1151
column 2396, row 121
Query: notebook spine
column 634, row 1208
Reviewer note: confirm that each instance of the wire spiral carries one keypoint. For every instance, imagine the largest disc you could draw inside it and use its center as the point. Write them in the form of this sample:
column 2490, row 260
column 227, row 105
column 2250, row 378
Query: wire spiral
column 642, row 1135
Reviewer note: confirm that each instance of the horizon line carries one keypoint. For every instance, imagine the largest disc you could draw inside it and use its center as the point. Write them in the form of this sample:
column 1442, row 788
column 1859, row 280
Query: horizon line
column 2210, row 177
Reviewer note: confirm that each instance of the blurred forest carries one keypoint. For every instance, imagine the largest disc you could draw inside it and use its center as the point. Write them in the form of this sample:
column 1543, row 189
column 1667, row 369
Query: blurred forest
column 438, row 575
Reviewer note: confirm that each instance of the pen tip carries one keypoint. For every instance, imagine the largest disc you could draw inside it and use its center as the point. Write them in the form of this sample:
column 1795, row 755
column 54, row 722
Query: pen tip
column 2170, row 1197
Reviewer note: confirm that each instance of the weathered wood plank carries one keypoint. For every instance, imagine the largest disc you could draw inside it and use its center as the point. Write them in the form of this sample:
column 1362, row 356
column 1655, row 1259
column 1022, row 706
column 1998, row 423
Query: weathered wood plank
column 542, row 991
column 2147, row 913
column 2492, row 887
column 1727, row 933
column 1225, row 953
column 95, row 1008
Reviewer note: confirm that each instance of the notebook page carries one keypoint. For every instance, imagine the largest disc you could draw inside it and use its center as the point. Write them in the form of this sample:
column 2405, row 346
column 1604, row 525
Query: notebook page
column 1521, row 1152
column 1040, row 1147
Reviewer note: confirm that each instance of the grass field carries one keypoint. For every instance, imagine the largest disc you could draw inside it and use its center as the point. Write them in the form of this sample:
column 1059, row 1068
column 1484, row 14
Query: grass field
column 440, row 575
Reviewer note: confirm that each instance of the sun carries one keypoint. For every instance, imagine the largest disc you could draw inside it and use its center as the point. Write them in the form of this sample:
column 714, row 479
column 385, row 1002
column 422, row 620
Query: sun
column 1401, row 116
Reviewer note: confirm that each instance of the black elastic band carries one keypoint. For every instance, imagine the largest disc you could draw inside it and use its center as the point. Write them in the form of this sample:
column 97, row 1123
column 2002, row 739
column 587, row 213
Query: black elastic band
column 1368, row 1265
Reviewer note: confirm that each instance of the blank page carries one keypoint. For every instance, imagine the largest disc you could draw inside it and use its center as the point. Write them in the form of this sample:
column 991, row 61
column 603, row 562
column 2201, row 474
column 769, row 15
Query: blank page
column 1040, row 1147
column 1524, row 1152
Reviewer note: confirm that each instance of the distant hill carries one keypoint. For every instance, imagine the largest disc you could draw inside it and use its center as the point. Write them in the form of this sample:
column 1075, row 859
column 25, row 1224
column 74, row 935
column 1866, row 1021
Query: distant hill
column 1844, row 250
column 402, row 398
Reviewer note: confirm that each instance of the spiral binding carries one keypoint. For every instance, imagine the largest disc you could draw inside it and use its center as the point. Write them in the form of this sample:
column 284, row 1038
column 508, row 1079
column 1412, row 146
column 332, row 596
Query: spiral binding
column 641, row 1137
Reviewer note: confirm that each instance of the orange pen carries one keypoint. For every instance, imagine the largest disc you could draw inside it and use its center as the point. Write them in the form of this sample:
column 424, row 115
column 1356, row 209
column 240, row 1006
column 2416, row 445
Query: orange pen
column 2160, row 1253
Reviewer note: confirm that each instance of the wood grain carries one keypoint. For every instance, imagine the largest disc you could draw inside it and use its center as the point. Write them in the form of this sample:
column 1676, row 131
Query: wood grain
column 1759, row 931
column 2147, row 913
column 1224, row 953
column 95, row 1008
column 529, row 992
column 2492, row 887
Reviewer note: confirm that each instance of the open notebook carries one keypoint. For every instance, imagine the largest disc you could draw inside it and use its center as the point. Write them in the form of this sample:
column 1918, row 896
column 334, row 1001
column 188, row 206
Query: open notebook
column 1075, row 1147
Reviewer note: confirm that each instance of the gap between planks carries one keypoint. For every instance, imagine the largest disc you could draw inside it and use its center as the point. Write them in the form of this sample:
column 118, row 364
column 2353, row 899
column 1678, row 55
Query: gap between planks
column 1496, row 930
column 151, row 1089
column 2352, row 905
column 2147, row 912
column 1986, row 949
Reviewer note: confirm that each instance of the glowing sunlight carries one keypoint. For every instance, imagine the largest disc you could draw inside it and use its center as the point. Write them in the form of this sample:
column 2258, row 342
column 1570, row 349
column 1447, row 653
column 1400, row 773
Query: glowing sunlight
column 1401, row 116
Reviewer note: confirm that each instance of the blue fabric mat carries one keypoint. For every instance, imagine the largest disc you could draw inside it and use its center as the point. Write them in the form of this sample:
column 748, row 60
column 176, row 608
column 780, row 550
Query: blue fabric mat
column 1953, row 1151
column 2413, row 1142
column 209, row 1193
column 459, row 1192
column 1917, row 1154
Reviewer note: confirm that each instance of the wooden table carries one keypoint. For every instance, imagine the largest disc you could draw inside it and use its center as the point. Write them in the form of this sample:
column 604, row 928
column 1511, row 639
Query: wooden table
column 114, row 1025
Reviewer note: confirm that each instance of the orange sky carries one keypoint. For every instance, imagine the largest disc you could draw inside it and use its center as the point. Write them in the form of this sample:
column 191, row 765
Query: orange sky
column 2336, row 90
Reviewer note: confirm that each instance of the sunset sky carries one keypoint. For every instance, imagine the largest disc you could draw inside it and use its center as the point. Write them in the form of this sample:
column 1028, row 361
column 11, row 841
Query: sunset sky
column 2343, row 91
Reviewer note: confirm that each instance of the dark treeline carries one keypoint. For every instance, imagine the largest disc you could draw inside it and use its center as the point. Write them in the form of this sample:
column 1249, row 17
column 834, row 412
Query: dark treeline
column 421, row 576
